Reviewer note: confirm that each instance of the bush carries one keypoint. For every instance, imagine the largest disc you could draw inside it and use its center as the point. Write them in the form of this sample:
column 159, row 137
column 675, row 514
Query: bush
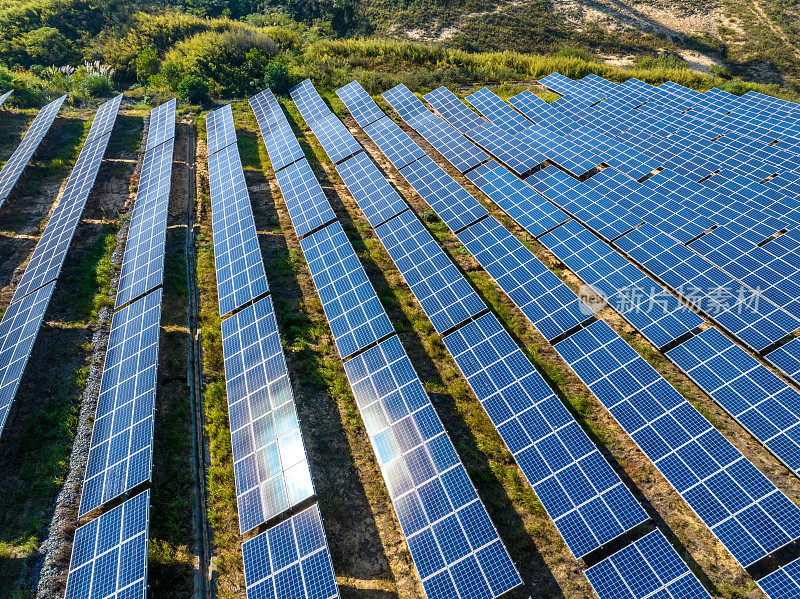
column 47, row 45
column 193, row 89
column 277, row 77
column 97, row 85
column 147, row 64
column 171, row 75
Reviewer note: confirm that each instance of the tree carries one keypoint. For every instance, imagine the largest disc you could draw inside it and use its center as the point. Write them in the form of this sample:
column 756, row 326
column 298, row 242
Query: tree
column 193, row 90
column 46, row 45
column 147, row 65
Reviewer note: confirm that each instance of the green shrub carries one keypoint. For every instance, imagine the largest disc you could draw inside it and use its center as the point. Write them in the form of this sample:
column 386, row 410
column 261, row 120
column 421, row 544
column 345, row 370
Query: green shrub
column 193, row 89
column 171, row 75
column 97, row 85
column 147, row 64
column 277, row 77
column 47, row 45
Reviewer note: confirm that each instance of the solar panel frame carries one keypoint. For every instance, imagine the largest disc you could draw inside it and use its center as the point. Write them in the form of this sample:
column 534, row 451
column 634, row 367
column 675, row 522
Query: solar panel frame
column 291, row 556
column 121, row 449
column 453, row 543
column 783, row 583
column 496, row 110
column 457, row 149
column 308, row 206
column 109, row 554
column 337, row 141
column 378, row 200
column 18, row 331
column 359, row 103
column 162, row 124
column 241, row 277
column 395, row 143
column 356, row 316
column 220, row 130
column 531, row 105
column 309, row 102
column 282, row 146
column 787, row 359
column 271, row 468
column 408, row 106
column 105, row 118
column 12, row 169
column 453, row 110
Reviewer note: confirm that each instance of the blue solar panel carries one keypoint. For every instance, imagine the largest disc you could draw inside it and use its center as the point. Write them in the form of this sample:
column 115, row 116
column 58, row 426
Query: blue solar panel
column 308, row 207
column 143, row 262
column 6, row 96
column 308, row 101
column 356, row 317
column 551, row 306
column 783, row 583
column 759, row 400
column 787, row 358
column 335, row 139
column 13, row 168
column 162, row 124
column 453, row 110
column 456, row 207
column 648, row 568
column 121, row 451
column 51, row 250
column 531, row 105
column 408, row 106
column 377, row 199
column 444, row 294
column 493, row 108
column 586, row 499
column 560, row 84
column 279, row 139
column 359, row 103
column 457, row 149
column 746, row 512
column 220, row 130
column 453, row 543
column 109, row 554
column 240, row 269
column 290, row 559
column 105, row 118
column 269, row 458
column 18, row 330
column 394, row 142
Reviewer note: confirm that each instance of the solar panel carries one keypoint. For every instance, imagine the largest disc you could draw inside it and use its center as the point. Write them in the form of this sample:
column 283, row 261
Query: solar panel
column 551, row 306
column 105, row 118
column 531, row 105
column 787, row 358
column 445, row 296
column 408, row 106
column 109, row 554
column 586, row 499
column 559, row 83
column 269, row 459
column 351, row 306
column 13, row 168
column 290, row 559
column 650, row 567
column 335, row 139
column 760, row 401
column 457, row 149
column 309, row 102
column 359, row 103
column 18, row 330
column 121, row 451
column 746, row 512
column 456, row 207
column 220, row 130
column 453, row 543
column 267, row 110
column 394, row 142
column 143, row 261
column 240, row 269
column 783, row 583
column 162, row 124
column 307, row 204
column 51, row 250
column 377, row 199
column 519, row 153
column 5, row 96
column 493, row 108
column 453, row 110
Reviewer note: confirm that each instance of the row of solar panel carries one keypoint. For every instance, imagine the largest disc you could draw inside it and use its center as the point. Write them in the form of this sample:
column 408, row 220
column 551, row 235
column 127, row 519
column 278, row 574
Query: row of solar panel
column 23, row 318
column 614, row 381
column 109, row 554
column 454, row 545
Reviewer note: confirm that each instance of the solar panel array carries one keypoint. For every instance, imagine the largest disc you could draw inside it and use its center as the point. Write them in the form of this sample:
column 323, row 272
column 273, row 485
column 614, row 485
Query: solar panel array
column 143, row 262
column 271, row 468
column 22, row 319
column 783, row 583
column 12, row 169
column 553, row 452
column 109, row 554
column 454, row 545
column 749, row 515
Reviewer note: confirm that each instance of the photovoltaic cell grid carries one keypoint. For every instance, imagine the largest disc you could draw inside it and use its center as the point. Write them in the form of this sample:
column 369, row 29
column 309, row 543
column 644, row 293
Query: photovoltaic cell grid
column 493, row 108
column 307, row 204
column 18, row 330
column 290, row 559
column 408, row 106
column 143, row 262
column 454, row 545
column 784, row 583
column 5, row 96
column 445, row 296
column 13, row 168
column 760, row 401
column 270, row 464
column 787, row 358
column 362, row 107
column 746, row 512
column 48, row 256
column 336, row 140
column 105, row 118
column 351, row 305
column 585, row 498
column 220, row 130
column 648, row 568
column 453, row 110
column 240, row 269
column 395, row 143
column 309, row 102
column 531, row 105
column 162, row 124
column 281, row 143
column 377, row 199
column 121, row 451
column 109, row 554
